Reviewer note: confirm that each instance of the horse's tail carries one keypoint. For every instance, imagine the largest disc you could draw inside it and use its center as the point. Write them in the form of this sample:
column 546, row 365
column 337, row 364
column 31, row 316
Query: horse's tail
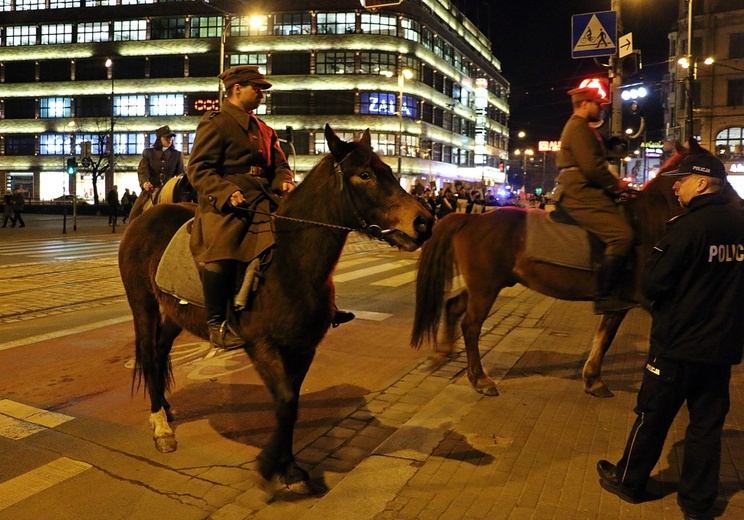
column 435, row 271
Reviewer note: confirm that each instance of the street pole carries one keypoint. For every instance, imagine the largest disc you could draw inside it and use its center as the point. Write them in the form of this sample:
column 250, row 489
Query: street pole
column 616, row 119
column 402, row 76
column 110, row 65
column 223, row 38
column 690, row 73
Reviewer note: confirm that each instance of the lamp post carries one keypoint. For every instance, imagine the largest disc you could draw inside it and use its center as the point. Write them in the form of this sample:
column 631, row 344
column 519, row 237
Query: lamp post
column 110, row 66
column 402, row 76
column 524, row 153
column 228, row 19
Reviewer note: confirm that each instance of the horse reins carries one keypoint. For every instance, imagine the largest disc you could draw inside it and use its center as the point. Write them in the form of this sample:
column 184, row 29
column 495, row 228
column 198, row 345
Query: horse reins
column 372, row 230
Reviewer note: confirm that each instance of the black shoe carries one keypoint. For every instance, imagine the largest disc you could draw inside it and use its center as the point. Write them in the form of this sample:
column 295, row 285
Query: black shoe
column 340, row 317
column 609, row 481
column 222, row 335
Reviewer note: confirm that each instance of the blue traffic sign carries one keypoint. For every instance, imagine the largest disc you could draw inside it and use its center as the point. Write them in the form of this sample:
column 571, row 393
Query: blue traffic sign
column 594, row 34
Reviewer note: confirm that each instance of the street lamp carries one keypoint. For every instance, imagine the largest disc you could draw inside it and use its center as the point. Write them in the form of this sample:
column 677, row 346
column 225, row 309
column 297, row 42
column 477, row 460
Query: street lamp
column 403, row 75
column 110, row 66
column 528, row 152
column 690, row 73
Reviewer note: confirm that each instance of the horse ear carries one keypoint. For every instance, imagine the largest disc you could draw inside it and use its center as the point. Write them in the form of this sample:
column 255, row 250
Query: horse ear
column 679, row 147
column 366, row 140
column 335, row 145
column 695, row 148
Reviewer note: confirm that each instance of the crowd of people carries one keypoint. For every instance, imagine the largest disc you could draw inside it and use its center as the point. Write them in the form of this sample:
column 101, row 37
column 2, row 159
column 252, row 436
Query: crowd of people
column 458, row 199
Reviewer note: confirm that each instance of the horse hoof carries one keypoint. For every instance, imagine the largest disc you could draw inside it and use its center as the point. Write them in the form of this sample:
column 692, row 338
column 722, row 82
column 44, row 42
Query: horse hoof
column 488, row 390
column 165, row 444
column 600, row 391
column 436, row 359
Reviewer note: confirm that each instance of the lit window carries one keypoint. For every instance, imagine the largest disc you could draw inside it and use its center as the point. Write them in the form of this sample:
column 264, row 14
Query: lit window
column 93, row 32
column 55, row 107
column 377, row 103
column 129, row 105
column 20, row 35
column 206, row 27
column 250, row 26
column 411, row 29
column 128, row 30
column 30, row 5
column 254, row 58
column 99, row 3
column 375, row 23
column 336, row 23
column 54, row 144
column 56, row 33
column 292, row 24
column 135, row 2
column 63, row 4
column 335, row 63
column 383, row 143
column 129, row 144
column 378, row 62
column 6, row 6
column 167, row 105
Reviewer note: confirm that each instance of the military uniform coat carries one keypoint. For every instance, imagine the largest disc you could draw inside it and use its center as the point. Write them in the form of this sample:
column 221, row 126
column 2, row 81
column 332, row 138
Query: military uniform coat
column 228, row 144
column 585, row 187
column 159, row 165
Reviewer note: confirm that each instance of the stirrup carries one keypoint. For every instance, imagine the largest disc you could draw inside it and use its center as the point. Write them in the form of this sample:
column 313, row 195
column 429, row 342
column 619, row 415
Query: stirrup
column 340, row 317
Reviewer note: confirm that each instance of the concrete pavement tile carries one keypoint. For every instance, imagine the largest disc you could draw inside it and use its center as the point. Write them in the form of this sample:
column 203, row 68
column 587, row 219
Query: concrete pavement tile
column 232, row 512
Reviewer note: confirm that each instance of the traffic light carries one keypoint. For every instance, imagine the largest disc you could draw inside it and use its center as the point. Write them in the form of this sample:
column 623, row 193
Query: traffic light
column 71, row 166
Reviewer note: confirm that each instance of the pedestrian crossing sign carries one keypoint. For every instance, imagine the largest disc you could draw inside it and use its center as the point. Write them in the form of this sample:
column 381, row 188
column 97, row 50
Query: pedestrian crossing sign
column 594, row 34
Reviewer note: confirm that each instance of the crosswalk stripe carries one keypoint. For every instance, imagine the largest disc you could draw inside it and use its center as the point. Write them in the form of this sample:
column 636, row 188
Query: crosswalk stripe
column 397, row 280
column 368, row 271
column 39, row 479
column 69, row 247
column 32, row 414
column 353, row 262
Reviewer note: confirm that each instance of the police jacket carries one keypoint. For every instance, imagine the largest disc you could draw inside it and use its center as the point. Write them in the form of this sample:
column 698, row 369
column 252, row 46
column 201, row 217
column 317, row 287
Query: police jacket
column 695, row 279
column 158, row 165
column 233, row 151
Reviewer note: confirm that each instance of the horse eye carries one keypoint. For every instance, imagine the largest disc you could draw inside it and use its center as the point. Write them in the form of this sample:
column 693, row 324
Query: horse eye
column 365, row 176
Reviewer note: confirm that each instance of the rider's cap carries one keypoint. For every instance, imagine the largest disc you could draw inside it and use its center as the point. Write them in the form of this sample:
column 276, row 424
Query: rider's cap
column 707, row 165
column 244, row 74
column 587, row 94
column 164, row 131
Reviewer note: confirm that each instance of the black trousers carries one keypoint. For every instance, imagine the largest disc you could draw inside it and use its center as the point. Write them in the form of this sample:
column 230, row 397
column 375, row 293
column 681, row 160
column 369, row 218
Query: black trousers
column 666, row 385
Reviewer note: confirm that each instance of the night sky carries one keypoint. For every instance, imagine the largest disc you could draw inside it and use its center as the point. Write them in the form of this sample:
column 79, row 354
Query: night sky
column 532, row 39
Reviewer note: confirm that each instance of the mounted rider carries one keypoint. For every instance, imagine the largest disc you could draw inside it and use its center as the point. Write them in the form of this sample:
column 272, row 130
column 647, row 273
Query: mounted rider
column 586, row 190
column 159, row 163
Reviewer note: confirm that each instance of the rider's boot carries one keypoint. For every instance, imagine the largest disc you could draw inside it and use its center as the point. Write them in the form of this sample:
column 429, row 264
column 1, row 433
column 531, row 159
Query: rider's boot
column 219, row 286
column 608, row 299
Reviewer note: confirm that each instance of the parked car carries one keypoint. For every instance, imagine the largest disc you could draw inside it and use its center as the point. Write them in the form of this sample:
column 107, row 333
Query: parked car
column 68, row 199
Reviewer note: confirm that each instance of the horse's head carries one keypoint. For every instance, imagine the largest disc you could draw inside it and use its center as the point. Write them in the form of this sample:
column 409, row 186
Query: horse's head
column 372, row 195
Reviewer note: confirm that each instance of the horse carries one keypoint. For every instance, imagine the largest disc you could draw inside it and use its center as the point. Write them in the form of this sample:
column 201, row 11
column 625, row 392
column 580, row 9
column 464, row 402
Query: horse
column 489, row 251
column 175, row 189
column 350, row 189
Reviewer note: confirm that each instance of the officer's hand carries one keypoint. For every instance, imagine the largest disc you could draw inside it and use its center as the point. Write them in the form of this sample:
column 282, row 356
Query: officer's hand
column 147, row 186
column 287, row 187
column 236, row 199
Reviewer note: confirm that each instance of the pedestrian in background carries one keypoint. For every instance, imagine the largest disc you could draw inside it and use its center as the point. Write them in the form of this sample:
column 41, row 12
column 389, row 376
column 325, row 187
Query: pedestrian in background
column 112, row 198
column 126, row 205
column 8, row 209
column 695, row 279
column 18, row 205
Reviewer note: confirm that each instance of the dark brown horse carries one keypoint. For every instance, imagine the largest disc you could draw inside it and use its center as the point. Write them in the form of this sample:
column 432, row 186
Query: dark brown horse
column 350, row 189
column 488, row 250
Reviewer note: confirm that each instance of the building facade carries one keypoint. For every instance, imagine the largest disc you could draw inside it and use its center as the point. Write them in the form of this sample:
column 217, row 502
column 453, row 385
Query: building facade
column 77, row 75
column 717, row 93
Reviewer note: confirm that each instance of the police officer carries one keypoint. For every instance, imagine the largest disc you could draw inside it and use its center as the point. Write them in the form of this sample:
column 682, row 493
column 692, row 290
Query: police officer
column 586, row 190
column 159, row 163
column 235, row 161
column 695, row 279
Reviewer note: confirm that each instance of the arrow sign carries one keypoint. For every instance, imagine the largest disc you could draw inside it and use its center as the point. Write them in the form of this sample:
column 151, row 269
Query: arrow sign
column 625, row 45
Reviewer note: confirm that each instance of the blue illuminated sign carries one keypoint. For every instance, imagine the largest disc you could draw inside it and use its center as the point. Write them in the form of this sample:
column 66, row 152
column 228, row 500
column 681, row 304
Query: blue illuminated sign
column 384, row 103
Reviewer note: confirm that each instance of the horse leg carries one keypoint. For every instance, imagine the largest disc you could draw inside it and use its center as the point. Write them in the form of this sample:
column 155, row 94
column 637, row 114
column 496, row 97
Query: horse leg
column 283, row 375
column 157, row 370
column 472, row 322
column 453, row 311
column 591, row 374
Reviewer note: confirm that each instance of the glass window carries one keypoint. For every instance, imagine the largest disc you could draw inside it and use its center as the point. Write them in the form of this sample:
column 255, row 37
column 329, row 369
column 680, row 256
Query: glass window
column 411, row 63
column 16, row 144
column 166, row 105
column 735, row 93
column 129, row 144
column 251, row 58
column 410, row 107
column 411, row 29
column 336, row 23
column 167, row 28
column 20, row 35
column 375, row 23
column 250, row 26
column 334, row 63
column 378, row 62
column 56, row 33
column 292, row 24
column 135, row 2
column 129, row 105
column 54, row 144
column 55, row 107
column 730, row 141
column 410, row 144
column 93, row 32
column 96, row 143
column 6, row 6
column 63, row 4
column 129, row 30
column 30, row 5
column 383, row 143
column 426, row 38
column 377, row 103
column 99, row 3
column 206, row 27
column 736, row 45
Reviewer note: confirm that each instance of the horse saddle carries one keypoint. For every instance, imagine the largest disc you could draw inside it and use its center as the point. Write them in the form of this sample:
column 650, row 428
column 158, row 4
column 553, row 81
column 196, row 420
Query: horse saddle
column 557, row 242
column 178, row 274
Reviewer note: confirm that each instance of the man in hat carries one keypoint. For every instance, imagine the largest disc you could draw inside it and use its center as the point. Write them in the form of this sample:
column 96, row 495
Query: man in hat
column 159, row 163
column 586, row 191
column 695, row 279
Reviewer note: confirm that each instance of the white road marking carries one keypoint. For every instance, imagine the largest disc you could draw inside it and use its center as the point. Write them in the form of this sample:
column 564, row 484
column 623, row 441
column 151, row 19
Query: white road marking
column 61, row 333
column 18, row 421
column 368, row 271
column 27, row 485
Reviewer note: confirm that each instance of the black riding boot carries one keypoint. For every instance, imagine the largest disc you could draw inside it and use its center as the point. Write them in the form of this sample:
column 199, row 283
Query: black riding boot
column 219, row 287
column 610, row 274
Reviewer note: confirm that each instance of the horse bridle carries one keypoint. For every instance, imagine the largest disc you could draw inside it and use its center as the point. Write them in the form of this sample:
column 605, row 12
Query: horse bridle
column 371, row 230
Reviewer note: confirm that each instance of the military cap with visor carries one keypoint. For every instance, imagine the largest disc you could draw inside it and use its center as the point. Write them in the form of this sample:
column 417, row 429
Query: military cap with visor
column 244, row 75
column 164, row 131
column 587, row 94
